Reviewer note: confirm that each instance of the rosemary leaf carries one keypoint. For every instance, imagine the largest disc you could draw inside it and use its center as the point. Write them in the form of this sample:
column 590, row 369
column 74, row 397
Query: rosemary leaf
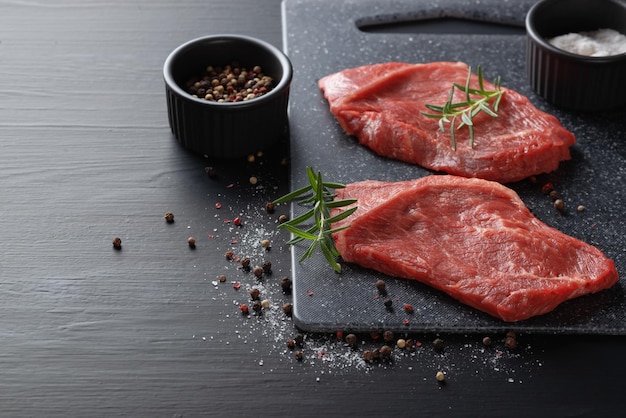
column 299, row 232
column 340, row 203
column 476, row 101
column 342, row 215
column 314, row 225
column 293, row 195
column 331, row 254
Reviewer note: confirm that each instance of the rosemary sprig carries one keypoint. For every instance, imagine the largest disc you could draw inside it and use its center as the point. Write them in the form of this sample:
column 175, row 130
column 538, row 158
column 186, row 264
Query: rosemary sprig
column 315, row 224
column 449, row 112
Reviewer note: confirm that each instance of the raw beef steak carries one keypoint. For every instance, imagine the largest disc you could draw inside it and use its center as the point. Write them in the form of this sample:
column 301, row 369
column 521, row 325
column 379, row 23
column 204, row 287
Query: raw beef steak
column 473, row 239
column 381, row 105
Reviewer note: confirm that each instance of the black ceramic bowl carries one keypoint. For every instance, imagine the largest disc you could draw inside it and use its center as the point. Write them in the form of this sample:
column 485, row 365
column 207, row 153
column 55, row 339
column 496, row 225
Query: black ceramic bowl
column 569, row 80
column 227, row 129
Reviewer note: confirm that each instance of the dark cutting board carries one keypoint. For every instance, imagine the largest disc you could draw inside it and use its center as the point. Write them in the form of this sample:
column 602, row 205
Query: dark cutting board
column 325, row 36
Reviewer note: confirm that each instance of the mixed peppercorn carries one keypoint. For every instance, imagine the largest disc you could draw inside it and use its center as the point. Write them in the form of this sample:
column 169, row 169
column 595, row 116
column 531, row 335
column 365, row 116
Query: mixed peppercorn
column 230, row 83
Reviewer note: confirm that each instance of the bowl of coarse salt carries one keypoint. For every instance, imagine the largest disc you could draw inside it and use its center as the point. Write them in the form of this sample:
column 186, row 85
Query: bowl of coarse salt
column 576, row 53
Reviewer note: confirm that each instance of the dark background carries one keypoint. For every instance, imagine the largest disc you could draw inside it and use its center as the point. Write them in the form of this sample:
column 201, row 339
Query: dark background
column 86, row 155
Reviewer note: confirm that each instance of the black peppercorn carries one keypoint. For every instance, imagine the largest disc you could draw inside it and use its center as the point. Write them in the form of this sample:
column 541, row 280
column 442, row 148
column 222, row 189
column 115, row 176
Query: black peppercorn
column 245, row 263
column 267, row 267
column 385, row 352
column 169, row 217
column 351, row 340
column 380, row 285
column 270, row 207
column 255, row 293
column 388, row 336
column 117, row 243
column 258, row 271
column 510, row 341
column 438, row 344
column 288, row 309
column 211, row 172
column 286, row 285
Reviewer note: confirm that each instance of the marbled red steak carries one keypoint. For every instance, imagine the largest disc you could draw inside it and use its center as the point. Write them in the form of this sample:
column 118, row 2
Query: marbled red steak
column 381, row 105
column 473, row 239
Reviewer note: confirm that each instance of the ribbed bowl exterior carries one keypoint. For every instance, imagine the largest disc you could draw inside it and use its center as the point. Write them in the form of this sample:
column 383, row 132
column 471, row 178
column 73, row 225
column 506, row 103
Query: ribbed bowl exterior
column 572, row 81
column 224, row 131
column 575, row 83
column 227, row 130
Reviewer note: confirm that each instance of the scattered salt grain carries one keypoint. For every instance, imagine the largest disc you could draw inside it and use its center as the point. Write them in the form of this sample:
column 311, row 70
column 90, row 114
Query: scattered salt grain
column 599, row 43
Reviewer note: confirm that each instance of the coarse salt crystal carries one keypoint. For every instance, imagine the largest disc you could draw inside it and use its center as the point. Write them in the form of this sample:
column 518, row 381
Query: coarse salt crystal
column 599, row 43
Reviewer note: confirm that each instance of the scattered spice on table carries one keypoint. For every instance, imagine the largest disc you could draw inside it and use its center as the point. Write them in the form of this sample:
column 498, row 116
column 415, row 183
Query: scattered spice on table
column 510, row 340
column 559, row 205
column 245, row 263
column 438, row 344
column 210, row 171
column 258, row 271
column 351, row 340
column 288, row 308
column 286, row 284
column 385, row 352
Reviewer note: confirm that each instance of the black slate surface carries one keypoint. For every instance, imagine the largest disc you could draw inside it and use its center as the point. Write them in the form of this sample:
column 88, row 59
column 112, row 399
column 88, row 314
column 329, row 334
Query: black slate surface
column 325, row 36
